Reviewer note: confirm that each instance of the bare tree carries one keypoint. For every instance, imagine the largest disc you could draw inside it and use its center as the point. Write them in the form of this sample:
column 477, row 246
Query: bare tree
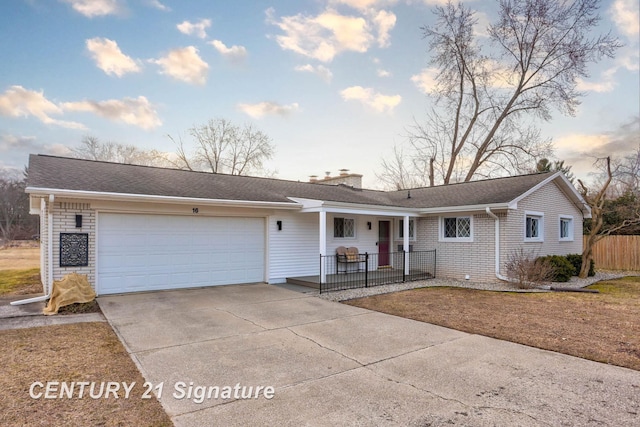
column 536, row 51
column 628, row 176
column 223, row 147
column 14, row 207
column 596, row 200
column 92, row 148
column 399, row 172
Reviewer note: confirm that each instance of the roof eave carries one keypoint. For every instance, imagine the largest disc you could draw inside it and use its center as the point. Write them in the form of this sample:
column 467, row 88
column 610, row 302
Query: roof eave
column 566, row 184
column 316, row 205
column 128, row 197
column 465, row 208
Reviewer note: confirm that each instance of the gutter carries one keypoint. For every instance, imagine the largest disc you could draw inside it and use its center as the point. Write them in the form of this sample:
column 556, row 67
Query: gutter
column 47, row 289
column 497, row 244
column 466, row 208
column 129, row 197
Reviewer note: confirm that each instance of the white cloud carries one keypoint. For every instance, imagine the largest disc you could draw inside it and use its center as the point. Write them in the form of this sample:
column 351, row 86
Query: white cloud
column 184, row 64
column 235, row 54
column 20, row 102
column 426, row 80
column 322, row 71
column 626, row 16
column 57, row 150
column 383, row 73
column 30, row 144
column 629, row 58
column 384, row 22
column 134, row 111
column 606, row 84
column 156, row 4
column 91, row 8
column 363, row 4
column 109, row 58
column 480, row 29
column 198, row 29
column 581, row 150
column 371, row 98
column 324, row 36
column 12, row 143
column 262, row 109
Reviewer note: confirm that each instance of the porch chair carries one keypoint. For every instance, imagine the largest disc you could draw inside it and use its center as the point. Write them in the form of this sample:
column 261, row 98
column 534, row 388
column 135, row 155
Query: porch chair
column 348, row 256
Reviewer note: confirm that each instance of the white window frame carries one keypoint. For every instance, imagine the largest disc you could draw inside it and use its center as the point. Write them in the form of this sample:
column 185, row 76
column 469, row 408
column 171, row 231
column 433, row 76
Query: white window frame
column 400, row 229
column 355, row 228
column 540, row 217
column 441, row 229
column 568, row 218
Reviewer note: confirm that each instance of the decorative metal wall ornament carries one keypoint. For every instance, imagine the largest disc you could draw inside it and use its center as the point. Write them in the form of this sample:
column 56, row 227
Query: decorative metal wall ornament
column 74, row 249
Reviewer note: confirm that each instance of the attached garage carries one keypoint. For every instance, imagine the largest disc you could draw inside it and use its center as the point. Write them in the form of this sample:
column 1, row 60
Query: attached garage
column 154, row 252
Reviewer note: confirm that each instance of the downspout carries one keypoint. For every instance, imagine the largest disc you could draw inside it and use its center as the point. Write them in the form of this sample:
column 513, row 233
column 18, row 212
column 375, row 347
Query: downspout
column 497, row 245
column 46, row 284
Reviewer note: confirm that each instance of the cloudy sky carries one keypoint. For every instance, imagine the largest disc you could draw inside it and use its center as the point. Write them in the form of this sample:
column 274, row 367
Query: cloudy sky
column 334, row 83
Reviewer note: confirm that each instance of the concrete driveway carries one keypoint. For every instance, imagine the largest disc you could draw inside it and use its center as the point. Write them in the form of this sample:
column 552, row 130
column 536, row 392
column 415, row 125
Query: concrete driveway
column 332, row 364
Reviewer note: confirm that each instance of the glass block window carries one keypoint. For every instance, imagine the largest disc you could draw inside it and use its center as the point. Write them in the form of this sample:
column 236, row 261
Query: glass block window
column 412, row 228
column 533, row 227
column 344, row 227
column 457, row 228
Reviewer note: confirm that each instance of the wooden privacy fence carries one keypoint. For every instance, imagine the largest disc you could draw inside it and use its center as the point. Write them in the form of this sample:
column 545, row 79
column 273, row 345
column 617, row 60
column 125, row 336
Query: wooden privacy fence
column 617, row 253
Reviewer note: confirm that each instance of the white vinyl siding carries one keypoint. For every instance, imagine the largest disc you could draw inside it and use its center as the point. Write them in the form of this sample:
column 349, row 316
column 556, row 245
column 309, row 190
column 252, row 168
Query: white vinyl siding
column 294, row 250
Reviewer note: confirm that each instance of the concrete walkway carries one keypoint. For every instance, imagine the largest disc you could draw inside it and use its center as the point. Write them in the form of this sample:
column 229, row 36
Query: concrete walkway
column 332, row 364
column 30, row 315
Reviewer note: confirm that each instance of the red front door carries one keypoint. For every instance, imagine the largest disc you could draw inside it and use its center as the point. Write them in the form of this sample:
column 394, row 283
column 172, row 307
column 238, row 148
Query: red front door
column 384, row 240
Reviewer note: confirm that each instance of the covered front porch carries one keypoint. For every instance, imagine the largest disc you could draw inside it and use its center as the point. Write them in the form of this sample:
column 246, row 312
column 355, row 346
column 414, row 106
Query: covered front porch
column 420, row 265
column 382, row 232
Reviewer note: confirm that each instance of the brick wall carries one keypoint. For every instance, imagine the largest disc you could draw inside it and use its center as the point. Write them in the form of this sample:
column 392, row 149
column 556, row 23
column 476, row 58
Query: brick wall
column 552, row 202
column 64, row 221
column 457, row 259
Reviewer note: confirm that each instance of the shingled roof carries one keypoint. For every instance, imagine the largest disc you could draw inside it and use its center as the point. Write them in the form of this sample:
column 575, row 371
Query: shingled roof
column 61, row 173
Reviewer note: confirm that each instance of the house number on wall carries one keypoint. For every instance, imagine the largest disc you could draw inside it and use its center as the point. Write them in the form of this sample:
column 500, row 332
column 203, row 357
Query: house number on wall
column 194, row 210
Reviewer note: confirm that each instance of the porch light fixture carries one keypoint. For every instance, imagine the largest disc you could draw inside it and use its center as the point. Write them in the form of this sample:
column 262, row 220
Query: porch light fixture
column 279, row 224
column 78, row 221
column 369, row 224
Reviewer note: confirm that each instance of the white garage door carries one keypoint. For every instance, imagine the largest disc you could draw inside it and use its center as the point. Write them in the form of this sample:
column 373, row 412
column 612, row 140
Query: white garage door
column 153, row 252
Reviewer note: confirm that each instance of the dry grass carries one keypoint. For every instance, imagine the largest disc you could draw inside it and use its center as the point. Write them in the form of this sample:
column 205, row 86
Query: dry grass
column 19, row 270
column 20, row 282
column 75, row 352
column 604, row 327
column 19, row 258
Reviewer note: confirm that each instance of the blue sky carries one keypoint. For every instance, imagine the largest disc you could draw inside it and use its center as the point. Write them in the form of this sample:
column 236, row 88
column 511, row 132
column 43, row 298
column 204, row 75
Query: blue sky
column 334, row 83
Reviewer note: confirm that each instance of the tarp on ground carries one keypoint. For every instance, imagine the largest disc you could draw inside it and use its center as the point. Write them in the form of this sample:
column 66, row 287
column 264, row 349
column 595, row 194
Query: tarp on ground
column 72, row 288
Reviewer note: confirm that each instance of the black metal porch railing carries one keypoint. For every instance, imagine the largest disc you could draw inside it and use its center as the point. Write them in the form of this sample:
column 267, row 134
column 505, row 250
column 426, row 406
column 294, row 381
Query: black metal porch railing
column 375, row 269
